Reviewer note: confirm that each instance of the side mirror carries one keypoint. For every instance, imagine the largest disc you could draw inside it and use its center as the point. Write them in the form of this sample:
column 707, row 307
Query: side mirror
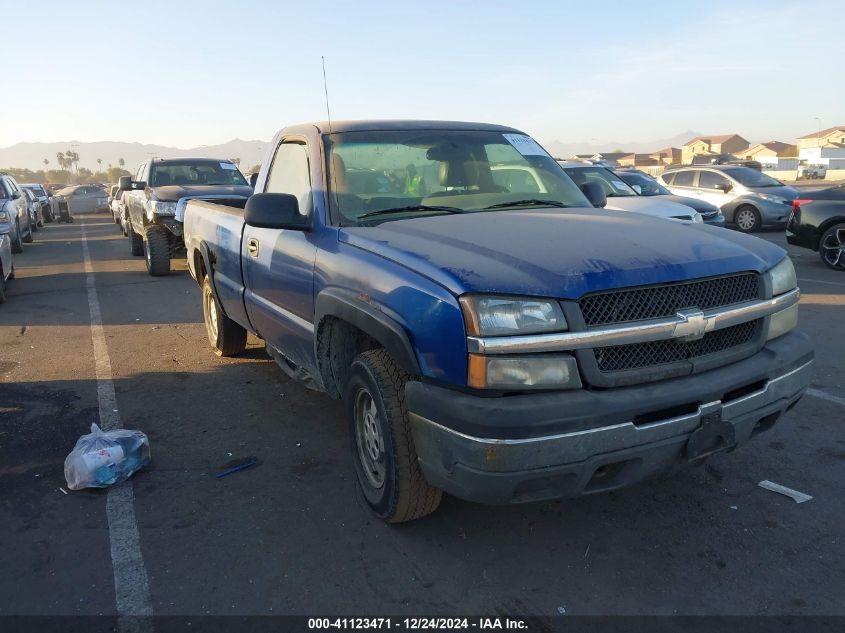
column 125, row 183
column 595, row 194
column 275, row 211
column 16, row 195
column 638, row 189
column 724, row 186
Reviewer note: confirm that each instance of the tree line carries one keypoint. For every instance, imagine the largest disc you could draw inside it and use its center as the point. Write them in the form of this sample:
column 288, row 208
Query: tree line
column 69, row 171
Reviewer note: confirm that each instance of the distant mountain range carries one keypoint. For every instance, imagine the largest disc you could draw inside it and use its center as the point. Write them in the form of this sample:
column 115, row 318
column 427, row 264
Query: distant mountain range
column 560, row 149
column 32, row 155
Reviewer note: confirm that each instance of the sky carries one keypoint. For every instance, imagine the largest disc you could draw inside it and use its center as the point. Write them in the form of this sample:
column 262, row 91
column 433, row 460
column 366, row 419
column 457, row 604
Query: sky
column 186, row 73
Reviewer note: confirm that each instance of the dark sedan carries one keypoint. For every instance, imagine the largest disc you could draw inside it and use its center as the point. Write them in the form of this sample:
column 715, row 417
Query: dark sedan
column 836, row 192
column 820, row 226
column 645, row 185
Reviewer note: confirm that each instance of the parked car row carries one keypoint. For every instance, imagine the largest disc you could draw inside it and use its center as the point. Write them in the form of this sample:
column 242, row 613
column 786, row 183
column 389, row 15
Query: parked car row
column 20, row 219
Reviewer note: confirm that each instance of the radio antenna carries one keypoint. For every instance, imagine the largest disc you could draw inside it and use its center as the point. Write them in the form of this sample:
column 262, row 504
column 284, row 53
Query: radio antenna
column 326, row 90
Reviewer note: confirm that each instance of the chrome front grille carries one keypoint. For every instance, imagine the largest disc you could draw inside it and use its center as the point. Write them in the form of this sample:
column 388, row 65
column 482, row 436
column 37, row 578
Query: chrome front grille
column 638, row 355
column 639, row 304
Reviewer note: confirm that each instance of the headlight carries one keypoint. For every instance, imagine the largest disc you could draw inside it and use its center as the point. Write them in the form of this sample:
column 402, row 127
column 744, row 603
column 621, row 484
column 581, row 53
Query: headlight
column 499, row 316
column 772, row 198
column 154, row 207
column 783, row 277
column 4, row 217
column 543, row 371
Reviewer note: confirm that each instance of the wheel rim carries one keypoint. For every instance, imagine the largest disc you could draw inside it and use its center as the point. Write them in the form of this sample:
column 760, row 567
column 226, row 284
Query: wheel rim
column 832, row 248
column 369, row 439
column 745, row 219
column 211, row 322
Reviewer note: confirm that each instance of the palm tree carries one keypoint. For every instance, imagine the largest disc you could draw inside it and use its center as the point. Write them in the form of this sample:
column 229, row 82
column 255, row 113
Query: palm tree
column 60, row 157
column 46, row 162
column 121, row 162
column 99, row 164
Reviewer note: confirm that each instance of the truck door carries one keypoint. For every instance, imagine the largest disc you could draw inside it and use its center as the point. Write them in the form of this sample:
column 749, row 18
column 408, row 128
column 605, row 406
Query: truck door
column 279, row 265
column 135, row 201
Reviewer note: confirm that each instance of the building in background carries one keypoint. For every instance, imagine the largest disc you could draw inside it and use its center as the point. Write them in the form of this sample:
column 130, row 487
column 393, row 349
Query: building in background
column 774, row 155
column 667, row 156
column 833, row 137
column 715, row 146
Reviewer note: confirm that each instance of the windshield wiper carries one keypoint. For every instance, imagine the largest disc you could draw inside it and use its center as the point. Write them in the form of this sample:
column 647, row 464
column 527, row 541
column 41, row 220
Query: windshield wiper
column 411, row 207
column 529, row 202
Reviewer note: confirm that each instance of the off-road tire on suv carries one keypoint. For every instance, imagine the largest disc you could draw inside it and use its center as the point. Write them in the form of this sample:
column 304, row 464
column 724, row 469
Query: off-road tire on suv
column 17, row 244
column 747, row 219
column 226, row 337
column 382, row 445
column 136, row 242
column 157, row 251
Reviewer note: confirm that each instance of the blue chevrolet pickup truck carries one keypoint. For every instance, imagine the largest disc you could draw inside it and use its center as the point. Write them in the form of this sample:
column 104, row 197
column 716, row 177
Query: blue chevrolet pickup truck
column 490, row 341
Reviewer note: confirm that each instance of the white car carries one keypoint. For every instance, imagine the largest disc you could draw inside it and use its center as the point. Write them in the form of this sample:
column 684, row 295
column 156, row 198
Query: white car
column 620, row 196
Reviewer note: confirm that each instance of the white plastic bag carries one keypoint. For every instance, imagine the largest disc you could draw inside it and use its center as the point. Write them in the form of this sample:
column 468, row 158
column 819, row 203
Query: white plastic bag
column 104, row 458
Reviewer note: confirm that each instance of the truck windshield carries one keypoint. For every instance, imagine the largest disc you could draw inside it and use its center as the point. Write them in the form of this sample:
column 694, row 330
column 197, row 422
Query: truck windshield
column 196, row 173
column 380, row 176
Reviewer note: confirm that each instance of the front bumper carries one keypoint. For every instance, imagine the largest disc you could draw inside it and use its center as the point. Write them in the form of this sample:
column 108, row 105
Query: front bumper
column 566, row 444
column 716, row 220
column 773, row 213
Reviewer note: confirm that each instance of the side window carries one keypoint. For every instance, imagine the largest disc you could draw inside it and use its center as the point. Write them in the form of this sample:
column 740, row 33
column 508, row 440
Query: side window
column 289, row 173
column 139, row 175
column 683, row 178
column 4, row 188
column 711, row 180
column 668, row 178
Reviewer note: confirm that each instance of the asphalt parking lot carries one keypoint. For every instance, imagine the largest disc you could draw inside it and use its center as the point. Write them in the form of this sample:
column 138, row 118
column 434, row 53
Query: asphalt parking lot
column 293, row 536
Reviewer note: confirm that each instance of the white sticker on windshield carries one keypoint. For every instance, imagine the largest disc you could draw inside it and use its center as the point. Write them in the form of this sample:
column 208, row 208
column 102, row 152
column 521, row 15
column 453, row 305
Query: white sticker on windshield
column 620, row 185
column 228, row 166
column 525, row 145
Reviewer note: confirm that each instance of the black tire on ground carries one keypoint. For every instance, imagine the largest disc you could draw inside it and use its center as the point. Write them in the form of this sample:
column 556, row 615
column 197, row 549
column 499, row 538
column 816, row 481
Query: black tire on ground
column 3, row 285
column 17, row 244
column 34, row 227
column 157, row 251
column 832, row 247
column 136, row 242
column 226, row 337
column 28, row 238
column 747, row 219
column 382, row 445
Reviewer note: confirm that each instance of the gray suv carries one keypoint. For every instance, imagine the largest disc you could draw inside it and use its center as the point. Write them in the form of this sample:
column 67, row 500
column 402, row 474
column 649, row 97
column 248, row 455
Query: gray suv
column 749, row 199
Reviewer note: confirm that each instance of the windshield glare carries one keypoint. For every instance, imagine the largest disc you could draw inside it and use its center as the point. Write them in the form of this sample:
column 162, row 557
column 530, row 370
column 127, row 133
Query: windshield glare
column 195, row 173
column 752, row 178
column 613, row 186
column 649, row 186
column 466, row 170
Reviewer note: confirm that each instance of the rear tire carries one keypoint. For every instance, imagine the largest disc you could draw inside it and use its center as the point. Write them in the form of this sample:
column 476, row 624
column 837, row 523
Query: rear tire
column 28, row 238
column 136, row 242
column 17, row 244
column 3, row 286
column 226, row 337
column 747, row 219
column 832, row 247
column 382, row 445
column 157, row 251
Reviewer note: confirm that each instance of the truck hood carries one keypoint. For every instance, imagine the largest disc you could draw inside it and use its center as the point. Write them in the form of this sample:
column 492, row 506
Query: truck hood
column 172, row 193
column 562, row 253
column 649, row 205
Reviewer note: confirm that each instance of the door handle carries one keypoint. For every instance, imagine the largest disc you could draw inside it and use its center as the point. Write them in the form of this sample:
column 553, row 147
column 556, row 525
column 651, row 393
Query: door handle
column 252, row 247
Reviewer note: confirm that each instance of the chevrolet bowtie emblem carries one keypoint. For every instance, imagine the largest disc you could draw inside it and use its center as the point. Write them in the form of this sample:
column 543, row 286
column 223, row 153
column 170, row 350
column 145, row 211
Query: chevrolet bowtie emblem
column 693, row 325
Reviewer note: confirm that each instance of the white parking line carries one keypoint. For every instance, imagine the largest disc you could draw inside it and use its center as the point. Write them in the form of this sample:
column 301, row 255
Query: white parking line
column 826, row 396
column 821, row 281
column 131, row 588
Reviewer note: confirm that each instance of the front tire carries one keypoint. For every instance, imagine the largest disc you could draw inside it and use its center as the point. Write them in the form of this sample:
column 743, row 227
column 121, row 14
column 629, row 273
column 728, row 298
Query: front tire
column 382, row 445
column 157, row 251
column 747, row 219
column 832, row 247
column 3, row 285
column 226, row 337
column 136, row 242
column 28, row 238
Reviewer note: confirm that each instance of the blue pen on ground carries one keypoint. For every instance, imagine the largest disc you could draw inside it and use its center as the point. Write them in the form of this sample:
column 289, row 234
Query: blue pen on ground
column 249, row 462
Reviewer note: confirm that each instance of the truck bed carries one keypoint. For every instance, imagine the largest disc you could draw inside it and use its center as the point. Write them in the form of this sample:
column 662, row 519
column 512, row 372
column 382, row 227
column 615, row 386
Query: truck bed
column 218, row 228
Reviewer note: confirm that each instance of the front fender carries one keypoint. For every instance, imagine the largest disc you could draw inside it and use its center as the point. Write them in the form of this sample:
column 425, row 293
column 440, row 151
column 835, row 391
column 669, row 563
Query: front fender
column 361, row 312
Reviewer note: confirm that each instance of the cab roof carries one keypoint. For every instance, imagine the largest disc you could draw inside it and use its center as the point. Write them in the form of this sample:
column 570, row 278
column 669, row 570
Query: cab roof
column 399, row 125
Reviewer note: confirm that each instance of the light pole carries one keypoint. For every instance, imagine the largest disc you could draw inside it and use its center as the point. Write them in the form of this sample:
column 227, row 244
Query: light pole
column 819, row 134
